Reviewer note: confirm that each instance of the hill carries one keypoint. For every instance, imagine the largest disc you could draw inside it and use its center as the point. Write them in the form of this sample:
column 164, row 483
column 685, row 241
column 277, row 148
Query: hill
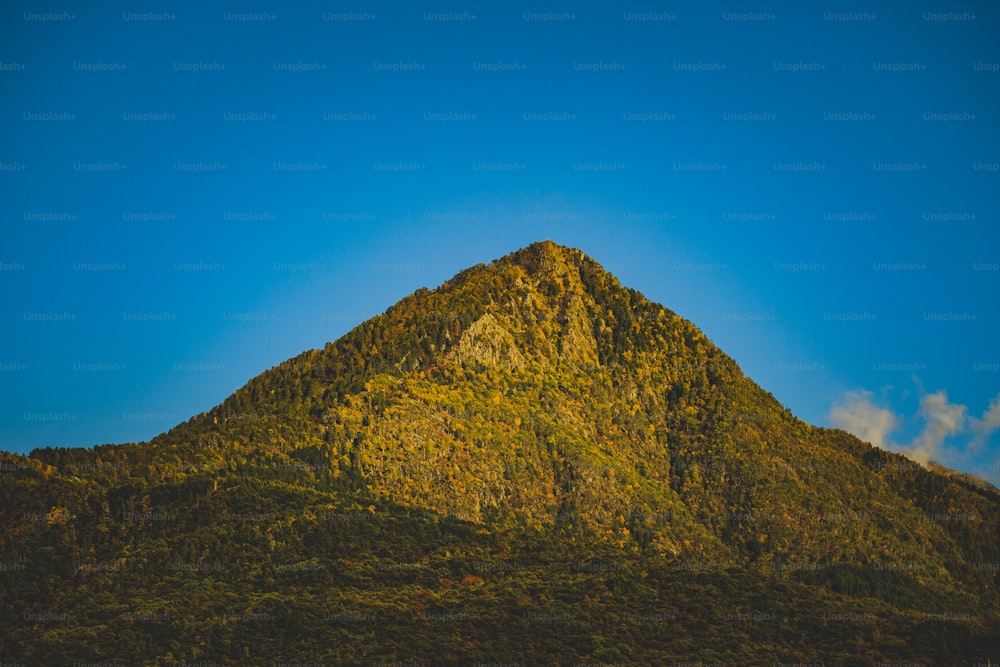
column 528, row 464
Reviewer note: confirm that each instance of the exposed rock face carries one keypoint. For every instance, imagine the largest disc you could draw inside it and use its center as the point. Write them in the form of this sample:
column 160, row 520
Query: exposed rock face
column 489, row 343
column 577, row 342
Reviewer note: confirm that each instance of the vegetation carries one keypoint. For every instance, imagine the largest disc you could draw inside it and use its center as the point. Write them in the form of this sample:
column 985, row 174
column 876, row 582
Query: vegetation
column 529, row 464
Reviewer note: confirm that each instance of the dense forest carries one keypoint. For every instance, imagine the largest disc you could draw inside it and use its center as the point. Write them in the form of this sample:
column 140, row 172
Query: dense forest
column 529, row 464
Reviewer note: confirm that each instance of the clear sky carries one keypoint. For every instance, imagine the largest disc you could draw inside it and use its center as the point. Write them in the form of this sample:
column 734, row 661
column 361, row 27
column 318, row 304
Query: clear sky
column 191, row 193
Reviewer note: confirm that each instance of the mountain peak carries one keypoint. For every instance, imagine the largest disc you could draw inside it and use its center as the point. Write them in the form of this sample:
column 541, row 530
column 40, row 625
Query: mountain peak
column 531, row 306
column 543, row 248
column 546, row 259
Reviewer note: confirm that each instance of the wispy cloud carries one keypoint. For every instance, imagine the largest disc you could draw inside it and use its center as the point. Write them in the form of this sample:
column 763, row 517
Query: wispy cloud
column 949, row 435
column 989, row 422
column 858, row 415
column 944, row 419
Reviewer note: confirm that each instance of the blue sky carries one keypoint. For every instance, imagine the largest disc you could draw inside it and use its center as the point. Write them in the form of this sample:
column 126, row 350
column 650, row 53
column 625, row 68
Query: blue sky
column 190, row 195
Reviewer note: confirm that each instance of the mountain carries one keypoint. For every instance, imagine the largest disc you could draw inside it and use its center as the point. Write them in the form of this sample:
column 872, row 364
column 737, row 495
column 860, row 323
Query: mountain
column 529, row 464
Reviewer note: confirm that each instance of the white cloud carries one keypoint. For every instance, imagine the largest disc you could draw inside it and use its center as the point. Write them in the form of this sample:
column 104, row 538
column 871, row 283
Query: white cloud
column 949, row 436
column 859, row 416
column 990, row 420
column 943, row 419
